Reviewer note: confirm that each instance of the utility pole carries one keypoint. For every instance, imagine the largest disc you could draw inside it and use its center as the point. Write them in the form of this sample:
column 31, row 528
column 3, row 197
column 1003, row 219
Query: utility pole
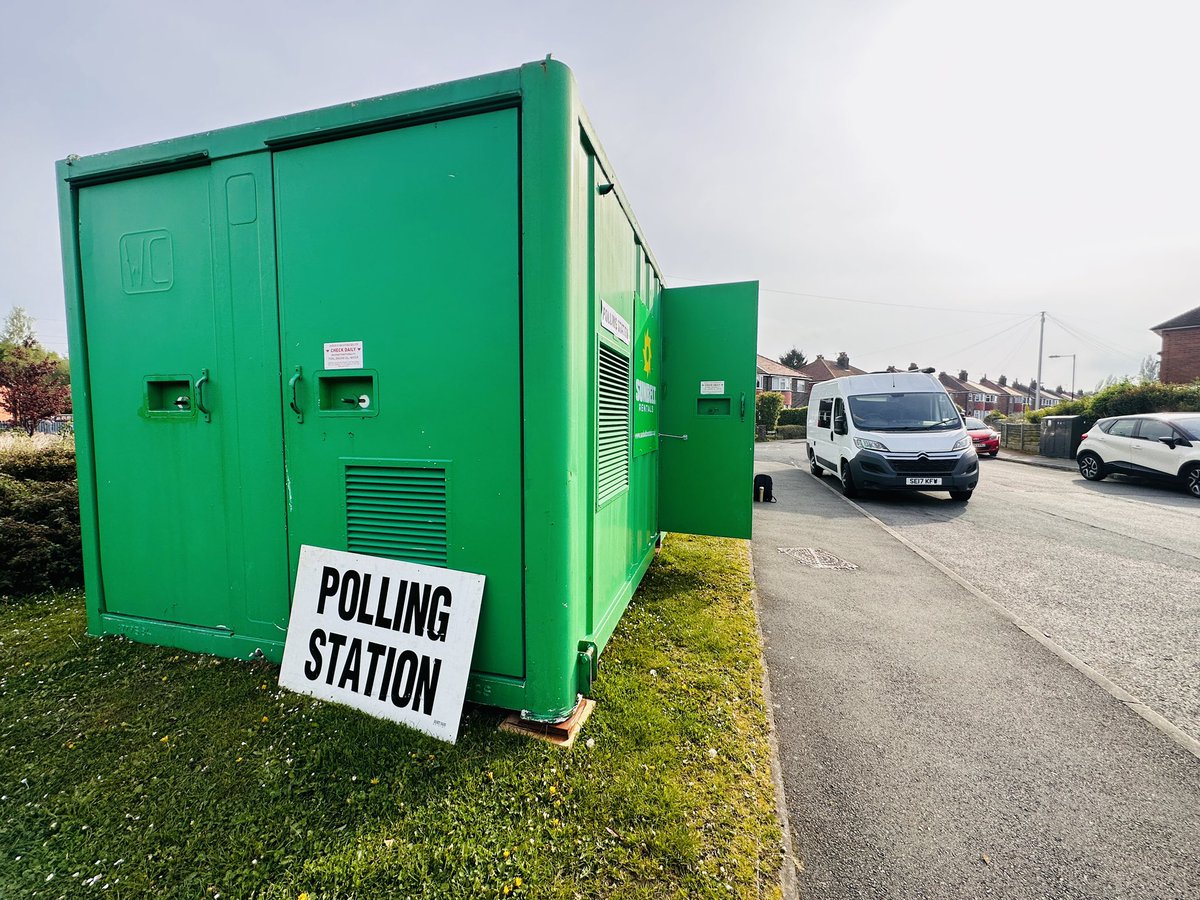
column 1064, row 356
column 1037, row 394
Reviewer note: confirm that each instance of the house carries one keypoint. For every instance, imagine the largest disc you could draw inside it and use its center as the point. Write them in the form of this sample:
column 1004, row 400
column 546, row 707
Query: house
column 1009, row 400
column 1180, row 354
column 821, row 369
column 775, row 376
column 980, row 398
column 956, row 388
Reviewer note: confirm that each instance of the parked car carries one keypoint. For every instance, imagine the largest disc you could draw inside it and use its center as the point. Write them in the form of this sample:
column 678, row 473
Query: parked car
column 1155, row 445
column 982, row 436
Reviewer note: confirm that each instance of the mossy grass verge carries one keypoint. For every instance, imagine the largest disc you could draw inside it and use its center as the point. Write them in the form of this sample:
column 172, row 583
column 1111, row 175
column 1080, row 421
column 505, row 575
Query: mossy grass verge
column 134, row 771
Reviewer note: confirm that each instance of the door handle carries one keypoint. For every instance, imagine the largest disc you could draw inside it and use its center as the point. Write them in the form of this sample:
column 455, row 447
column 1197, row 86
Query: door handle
column 678, row 437
column 743, row 405
column 292, row 385
column 200, row 382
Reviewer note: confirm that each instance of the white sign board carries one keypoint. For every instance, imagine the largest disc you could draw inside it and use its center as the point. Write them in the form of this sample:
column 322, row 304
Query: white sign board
column 614, row 323
column 712, row 387
column 344, row 355
column 390, row 638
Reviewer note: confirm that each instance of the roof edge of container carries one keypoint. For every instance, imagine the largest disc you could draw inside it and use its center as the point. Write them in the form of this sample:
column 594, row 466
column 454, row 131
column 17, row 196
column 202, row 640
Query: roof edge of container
column 439, row 101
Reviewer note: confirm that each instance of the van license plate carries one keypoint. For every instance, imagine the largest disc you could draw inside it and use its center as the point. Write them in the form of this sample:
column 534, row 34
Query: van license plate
column 923, row 482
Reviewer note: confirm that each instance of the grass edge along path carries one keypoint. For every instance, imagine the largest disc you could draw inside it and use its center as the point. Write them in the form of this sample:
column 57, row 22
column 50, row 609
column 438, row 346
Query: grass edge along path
column 132, row 771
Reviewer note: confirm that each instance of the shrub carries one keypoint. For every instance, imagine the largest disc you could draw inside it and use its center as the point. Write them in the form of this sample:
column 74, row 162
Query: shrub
column 39, row 536
column 993, row 416
column 789, row 432
column 797, row 416
column 767, row 406
column 26, row 461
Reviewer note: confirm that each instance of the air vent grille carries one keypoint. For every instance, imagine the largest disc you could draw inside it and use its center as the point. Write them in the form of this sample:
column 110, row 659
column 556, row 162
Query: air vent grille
column 612, row 469
column 399, row 513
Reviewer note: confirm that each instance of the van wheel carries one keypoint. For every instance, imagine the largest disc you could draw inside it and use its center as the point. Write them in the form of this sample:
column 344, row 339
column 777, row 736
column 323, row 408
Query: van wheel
column 849, row 488
column 964, row 496
column 812, row 465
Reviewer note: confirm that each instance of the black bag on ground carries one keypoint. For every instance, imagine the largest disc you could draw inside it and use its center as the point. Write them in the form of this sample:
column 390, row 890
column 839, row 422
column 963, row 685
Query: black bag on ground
column 764, row 489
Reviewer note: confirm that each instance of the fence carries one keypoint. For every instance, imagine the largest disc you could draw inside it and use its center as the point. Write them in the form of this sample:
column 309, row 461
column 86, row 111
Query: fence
column 1020, row 436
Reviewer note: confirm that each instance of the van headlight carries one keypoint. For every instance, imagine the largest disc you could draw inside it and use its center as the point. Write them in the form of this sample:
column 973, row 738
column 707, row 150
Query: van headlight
column 864, row 444
column 962, row 443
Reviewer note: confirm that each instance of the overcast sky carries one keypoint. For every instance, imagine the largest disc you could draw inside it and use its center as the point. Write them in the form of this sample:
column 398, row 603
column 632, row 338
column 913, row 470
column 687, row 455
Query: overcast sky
column 948, row 168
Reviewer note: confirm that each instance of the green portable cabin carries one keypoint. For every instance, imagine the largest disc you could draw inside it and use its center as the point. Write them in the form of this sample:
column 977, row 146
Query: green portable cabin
column 423, row 326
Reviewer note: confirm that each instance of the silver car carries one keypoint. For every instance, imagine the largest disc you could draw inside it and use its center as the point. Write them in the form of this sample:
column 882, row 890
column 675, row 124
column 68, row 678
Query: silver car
column 1154, row 445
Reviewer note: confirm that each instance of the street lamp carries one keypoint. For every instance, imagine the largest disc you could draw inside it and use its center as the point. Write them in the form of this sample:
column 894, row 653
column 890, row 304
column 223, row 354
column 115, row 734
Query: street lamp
column 1064, row 356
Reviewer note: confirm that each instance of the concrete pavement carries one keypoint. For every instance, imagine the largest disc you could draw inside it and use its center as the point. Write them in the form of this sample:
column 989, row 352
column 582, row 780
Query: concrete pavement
column 929, row 748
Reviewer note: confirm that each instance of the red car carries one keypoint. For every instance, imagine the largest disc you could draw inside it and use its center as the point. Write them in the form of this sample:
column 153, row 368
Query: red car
column 982, row 436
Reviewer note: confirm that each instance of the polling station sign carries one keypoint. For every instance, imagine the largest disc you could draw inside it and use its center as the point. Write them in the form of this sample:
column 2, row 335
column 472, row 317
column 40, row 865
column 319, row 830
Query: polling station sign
column 390, row 638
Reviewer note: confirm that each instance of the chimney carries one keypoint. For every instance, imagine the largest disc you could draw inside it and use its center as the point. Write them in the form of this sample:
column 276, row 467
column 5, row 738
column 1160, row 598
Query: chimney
column 913, row 367
column 1003, row 380
column 962, row 374
column 843, row 361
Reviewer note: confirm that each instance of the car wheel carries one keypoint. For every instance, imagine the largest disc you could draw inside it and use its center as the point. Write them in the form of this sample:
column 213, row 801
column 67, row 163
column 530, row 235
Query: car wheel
column 994, row 454
column 1091, row 468
column 1191, row 479
column 964, row 496
column 849, row 488
column 812, row 465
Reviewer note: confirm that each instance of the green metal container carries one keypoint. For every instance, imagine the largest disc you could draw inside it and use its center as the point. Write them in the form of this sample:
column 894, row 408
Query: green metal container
column 423, row 326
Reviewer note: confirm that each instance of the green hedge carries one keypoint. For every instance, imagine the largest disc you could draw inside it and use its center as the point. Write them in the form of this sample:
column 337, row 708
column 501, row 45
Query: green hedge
column 27, row 462
column 786, row 432
column 1127, row 399
column 797, row 416
column 39, row 536
column 766, row 409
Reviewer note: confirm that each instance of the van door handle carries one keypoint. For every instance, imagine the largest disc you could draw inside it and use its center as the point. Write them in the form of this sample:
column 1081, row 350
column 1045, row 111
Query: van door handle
column 292, row 384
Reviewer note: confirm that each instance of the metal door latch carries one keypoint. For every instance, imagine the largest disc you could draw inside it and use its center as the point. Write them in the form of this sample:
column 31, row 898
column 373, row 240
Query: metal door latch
column 678, row 437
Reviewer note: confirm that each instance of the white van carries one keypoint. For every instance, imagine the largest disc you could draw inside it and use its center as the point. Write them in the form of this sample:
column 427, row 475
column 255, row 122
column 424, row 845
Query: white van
column 892, row 432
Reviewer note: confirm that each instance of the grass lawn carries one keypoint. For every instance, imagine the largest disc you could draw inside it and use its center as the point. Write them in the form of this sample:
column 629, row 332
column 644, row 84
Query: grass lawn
column 135, row 771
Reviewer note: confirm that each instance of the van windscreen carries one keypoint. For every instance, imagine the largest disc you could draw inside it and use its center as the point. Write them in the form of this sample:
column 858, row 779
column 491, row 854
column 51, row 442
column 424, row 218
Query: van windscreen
column 903, row 411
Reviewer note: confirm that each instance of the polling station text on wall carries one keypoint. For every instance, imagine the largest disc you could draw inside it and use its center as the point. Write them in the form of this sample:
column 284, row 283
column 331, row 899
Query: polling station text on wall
column 390, row 638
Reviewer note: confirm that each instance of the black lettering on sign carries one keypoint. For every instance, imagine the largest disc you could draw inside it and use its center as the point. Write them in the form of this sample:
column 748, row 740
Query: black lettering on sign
column 404, row 679
column 381, row 618
column 329, row 583
column 350, row 671
column 337, row 641
column 427, row 682
column 439, row 621
column 374, row 651
column 363, row 616
column 416, row 613
column 312, row 667
column 387, row 673
column 348, row 599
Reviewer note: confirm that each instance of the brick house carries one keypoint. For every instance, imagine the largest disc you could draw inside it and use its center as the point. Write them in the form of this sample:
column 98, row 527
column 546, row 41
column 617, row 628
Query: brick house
column 956, row 388
column 1180, row 354
column 1009, row 400
column 775, row 376
column 821, row 369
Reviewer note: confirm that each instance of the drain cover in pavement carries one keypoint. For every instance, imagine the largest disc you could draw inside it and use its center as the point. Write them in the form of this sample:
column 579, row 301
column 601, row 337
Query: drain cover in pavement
column 817, row 559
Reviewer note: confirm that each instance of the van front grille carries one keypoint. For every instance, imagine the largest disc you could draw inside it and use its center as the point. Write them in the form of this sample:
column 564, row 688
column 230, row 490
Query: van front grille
column 923, row 466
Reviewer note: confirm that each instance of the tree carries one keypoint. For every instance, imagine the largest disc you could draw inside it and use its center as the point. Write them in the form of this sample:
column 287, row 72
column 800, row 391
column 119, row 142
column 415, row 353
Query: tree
column 31, row 384
column 18, row 329
column 794, row 359
column 1148, row 371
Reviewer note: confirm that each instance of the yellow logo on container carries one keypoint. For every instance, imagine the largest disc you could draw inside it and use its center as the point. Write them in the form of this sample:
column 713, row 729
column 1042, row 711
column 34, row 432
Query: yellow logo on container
column 647, row 354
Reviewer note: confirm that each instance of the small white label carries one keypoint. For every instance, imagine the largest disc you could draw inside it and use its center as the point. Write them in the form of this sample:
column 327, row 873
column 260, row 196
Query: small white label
column 344, row 355
column 613, row 323
column 712, row 387
column 389, row 638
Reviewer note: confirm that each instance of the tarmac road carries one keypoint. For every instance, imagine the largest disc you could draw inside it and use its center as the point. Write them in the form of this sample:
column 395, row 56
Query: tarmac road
column 931, row 749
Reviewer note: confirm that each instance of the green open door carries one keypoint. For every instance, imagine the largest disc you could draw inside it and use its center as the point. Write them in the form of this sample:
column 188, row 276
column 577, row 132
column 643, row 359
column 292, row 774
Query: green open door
column 706, row 424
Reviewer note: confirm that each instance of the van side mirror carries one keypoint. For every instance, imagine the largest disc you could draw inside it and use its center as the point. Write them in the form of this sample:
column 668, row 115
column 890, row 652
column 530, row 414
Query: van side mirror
column 839, row 425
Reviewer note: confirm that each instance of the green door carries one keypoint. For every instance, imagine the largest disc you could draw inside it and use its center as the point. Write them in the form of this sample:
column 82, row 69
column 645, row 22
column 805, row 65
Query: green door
column 400, row 298
column 187, row 428
column 706, row 416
